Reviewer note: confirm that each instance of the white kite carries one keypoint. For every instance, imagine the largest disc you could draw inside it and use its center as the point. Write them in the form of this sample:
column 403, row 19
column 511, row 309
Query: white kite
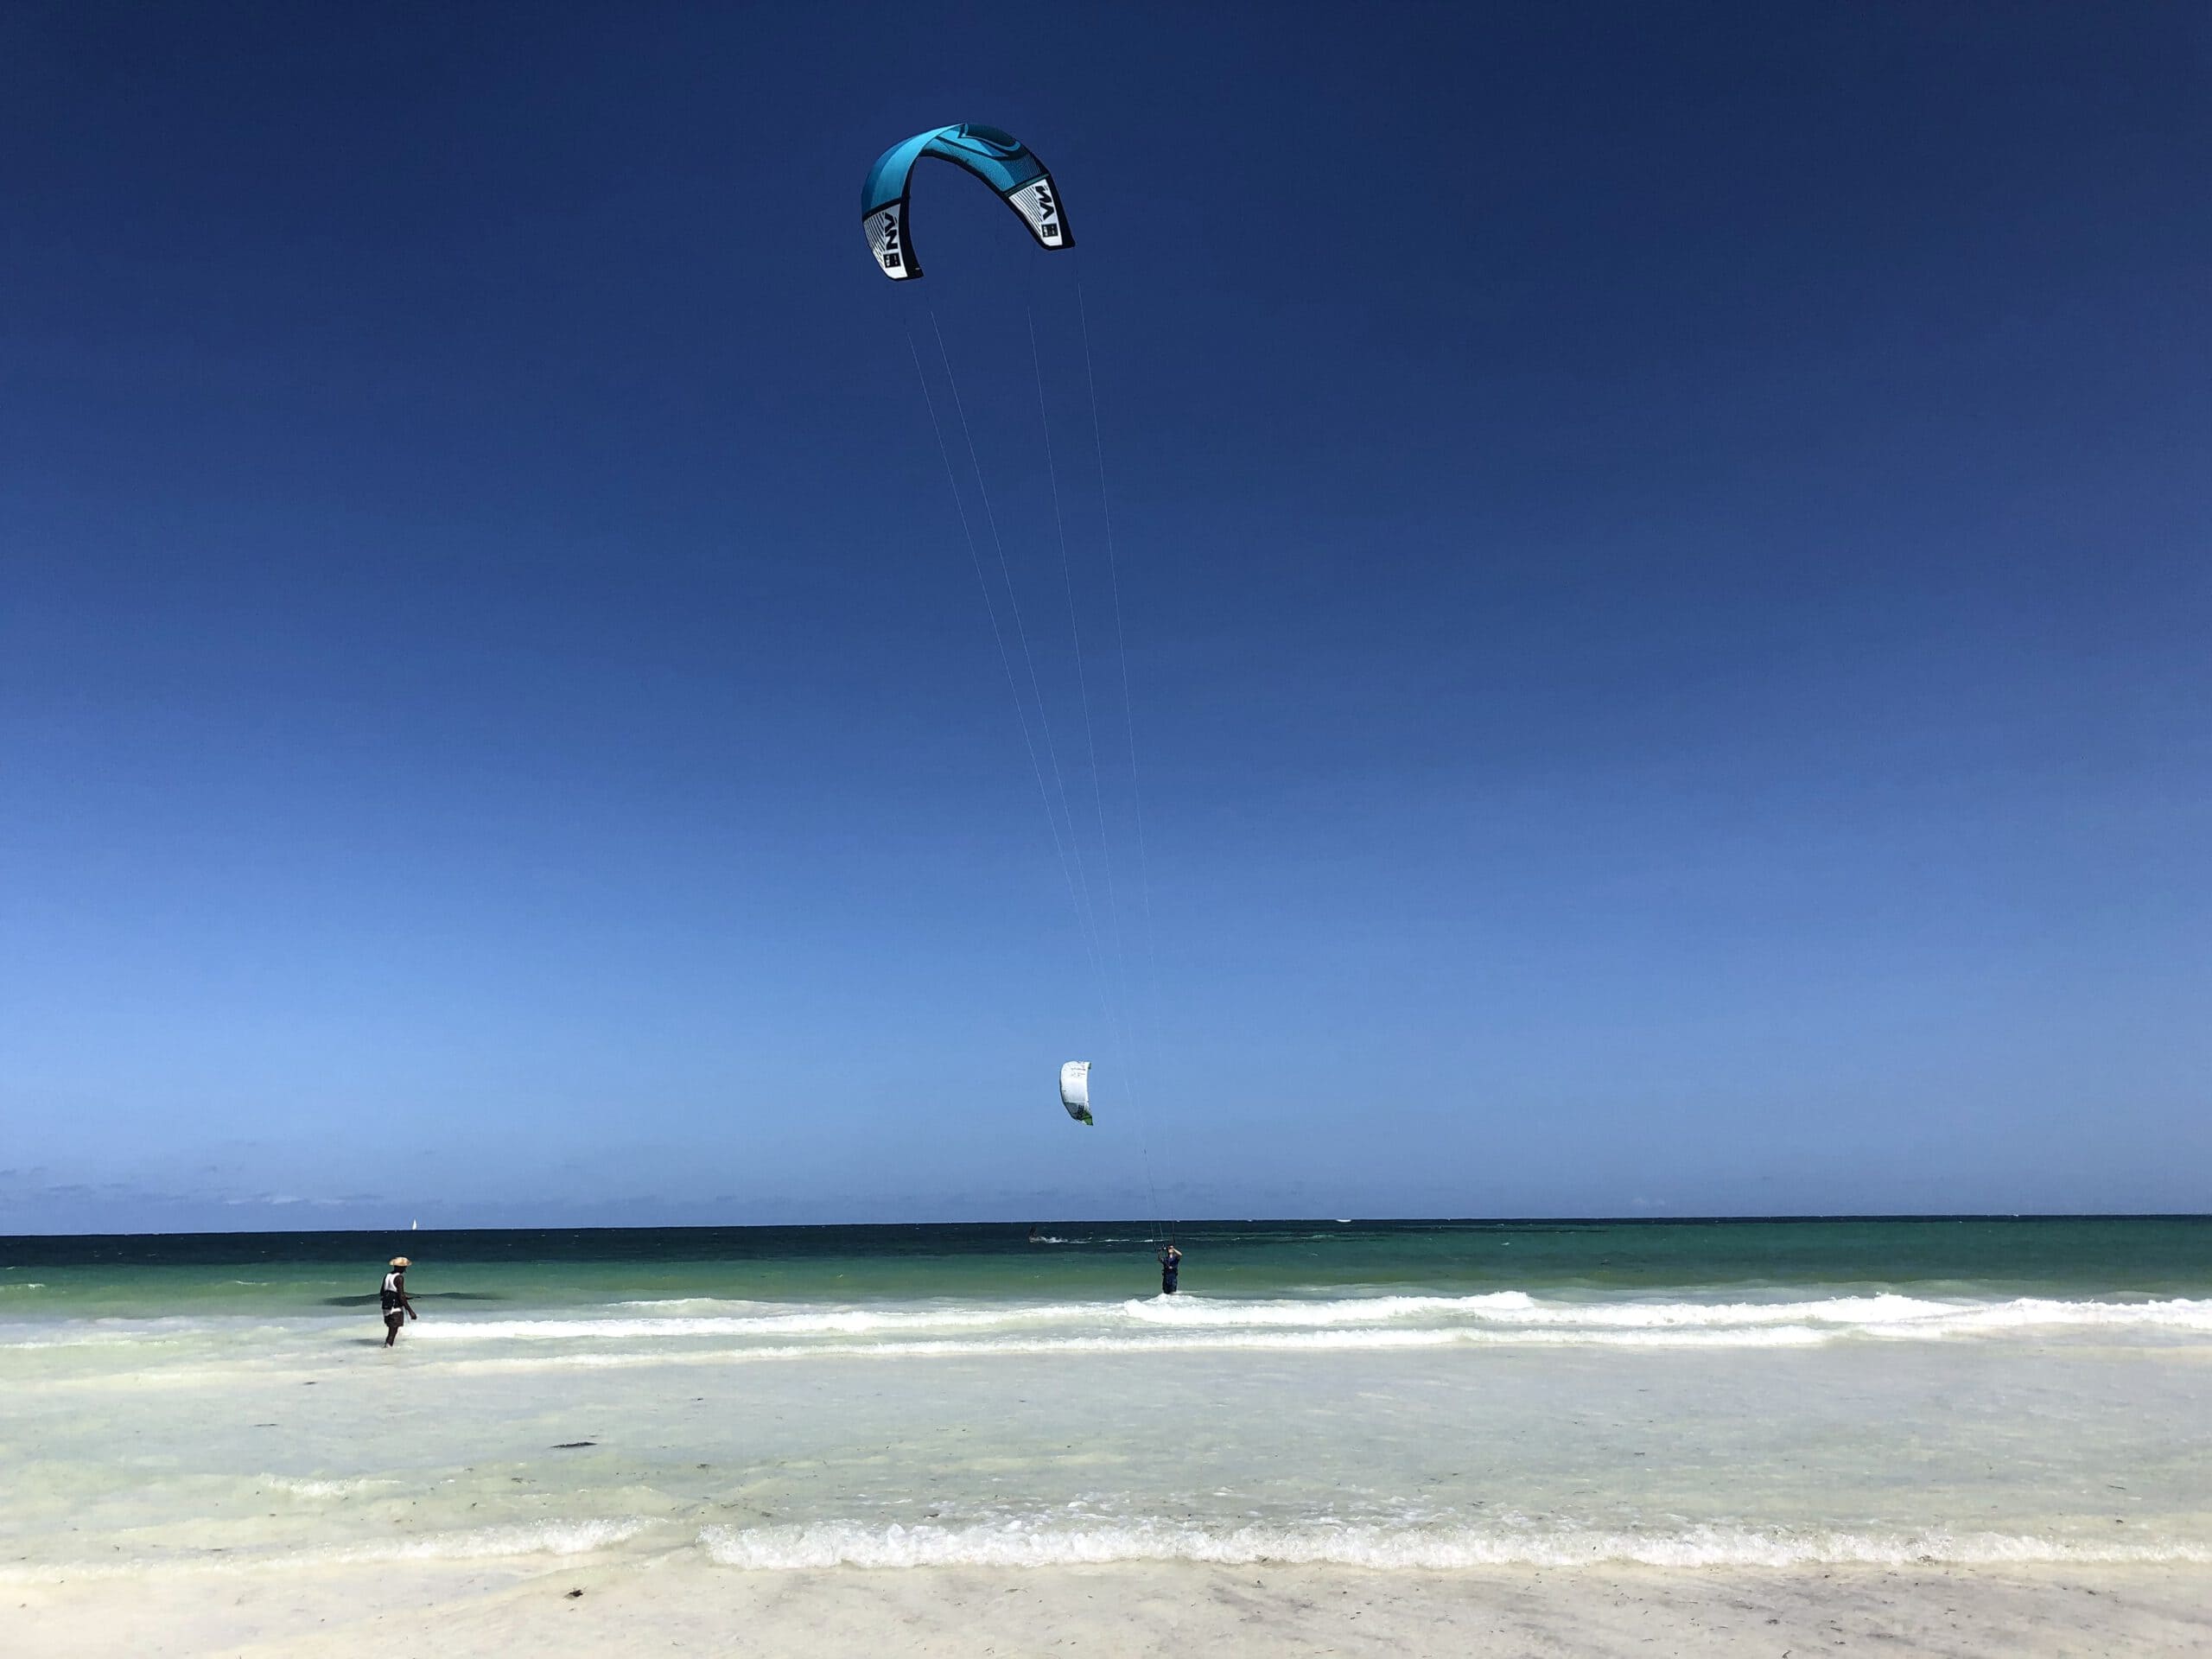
column 1075, row 1091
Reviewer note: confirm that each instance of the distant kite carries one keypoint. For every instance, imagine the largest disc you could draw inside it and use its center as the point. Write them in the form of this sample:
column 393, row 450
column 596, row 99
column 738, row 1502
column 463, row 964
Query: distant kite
column 1075, row 1091
column 999, row 159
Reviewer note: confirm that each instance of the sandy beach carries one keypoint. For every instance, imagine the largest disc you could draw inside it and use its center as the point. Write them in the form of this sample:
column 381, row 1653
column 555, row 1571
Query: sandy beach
column 685, row 1608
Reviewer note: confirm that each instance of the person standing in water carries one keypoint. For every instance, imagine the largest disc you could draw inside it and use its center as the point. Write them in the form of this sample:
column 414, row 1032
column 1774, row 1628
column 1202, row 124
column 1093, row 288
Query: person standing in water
column 1171, row 1266
column 397, row 1310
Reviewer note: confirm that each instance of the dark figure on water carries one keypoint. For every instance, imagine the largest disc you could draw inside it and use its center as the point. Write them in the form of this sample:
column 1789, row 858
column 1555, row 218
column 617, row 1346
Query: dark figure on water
column 1171, row 1265
column 397, row 1310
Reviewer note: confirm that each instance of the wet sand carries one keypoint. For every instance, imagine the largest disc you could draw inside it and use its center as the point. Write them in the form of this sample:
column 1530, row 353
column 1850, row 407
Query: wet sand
column 682, row 1606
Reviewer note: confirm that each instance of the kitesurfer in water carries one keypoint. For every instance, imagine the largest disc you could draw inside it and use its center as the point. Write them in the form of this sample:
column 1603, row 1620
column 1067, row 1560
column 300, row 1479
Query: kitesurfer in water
column 397, row 1310
column 1171, row 1266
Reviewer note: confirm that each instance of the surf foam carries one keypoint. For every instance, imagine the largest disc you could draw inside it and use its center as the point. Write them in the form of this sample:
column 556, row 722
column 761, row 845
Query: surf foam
column 1510, row 1312
column 845, row 1544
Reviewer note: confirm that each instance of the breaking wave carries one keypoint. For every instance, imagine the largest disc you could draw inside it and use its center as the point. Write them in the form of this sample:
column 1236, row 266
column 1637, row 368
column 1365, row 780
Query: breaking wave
column 1164, row 1323
column 1031, row 1543
column 845, row 1544
column 1269, row 1341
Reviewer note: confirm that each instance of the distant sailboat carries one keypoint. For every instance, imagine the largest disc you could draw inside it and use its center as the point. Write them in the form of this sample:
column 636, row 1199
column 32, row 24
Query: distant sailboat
column 414, row 1226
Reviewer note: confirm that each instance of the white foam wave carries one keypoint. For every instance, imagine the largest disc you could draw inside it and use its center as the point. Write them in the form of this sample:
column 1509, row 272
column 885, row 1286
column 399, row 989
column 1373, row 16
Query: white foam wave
column 1886, row 1313
column 2178, row 1314
column 1034, row 1543
column 1380, row 1321
column 74, row 1334
column 740, row 1330
column 1018, row 1544
column 1274, row 1341
column 311, row 1488
column 1187, row 1311
column 541, row 1538
column 563, row 1538
column 817, row 1322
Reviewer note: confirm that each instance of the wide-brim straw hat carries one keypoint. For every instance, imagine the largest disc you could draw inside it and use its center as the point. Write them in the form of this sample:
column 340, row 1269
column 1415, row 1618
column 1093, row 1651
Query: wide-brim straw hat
column 401, row 1261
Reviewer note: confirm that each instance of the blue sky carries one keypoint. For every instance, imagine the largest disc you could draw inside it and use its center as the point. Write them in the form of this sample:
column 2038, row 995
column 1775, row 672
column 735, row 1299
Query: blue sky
column 1664, row 553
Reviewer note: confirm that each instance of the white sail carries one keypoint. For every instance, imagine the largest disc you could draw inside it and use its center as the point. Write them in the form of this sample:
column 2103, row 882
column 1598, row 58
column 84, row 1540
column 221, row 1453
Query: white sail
column 1075, row 1090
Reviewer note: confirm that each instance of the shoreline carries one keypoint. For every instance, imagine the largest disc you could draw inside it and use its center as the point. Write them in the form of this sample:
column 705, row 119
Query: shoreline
column 672, row 1605
column 1375, row 1441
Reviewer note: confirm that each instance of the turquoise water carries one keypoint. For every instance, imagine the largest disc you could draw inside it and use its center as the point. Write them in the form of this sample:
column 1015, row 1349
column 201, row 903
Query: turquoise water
column 151, row 1274
column 1384, row 1394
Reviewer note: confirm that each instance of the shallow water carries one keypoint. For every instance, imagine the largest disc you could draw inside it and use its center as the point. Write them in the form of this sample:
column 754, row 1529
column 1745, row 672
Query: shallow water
column 1378, row 1394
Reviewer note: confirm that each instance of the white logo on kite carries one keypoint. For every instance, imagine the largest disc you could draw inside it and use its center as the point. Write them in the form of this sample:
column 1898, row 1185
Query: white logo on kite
column 884, row 234
column 1036, row 202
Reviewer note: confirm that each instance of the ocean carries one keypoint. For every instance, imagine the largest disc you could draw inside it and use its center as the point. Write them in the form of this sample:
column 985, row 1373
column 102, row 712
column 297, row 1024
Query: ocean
column 1374, row 1393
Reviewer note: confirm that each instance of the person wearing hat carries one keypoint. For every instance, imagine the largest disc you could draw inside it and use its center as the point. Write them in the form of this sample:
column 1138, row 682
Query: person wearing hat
column 397, row 1310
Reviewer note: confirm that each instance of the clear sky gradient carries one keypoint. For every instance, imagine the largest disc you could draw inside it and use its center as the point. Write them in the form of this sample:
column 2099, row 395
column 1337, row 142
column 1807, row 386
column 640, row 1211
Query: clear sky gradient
column 1665, row 552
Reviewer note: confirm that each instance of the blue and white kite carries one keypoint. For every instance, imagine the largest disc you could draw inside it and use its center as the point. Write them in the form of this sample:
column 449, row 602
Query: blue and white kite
column 999, row 159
